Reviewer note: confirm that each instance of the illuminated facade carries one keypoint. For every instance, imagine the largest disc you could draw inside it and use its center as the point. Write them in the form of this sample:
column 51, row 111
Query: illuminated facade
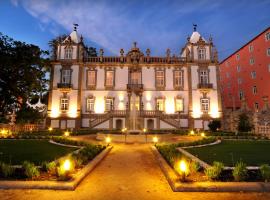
column 134, row 90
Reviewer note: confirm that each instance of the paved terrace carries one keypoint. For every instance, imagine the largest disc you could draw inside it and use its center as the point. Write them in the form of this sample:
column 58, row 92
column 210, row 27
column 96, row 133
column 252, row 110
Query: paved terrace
column 128, row 172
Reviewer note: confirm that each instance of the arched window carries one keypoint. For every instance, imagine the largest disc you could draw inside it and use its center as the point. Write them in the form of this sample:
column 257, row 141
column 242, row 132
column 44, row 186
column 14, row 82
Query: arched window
column 201, row 53
column 68, row 53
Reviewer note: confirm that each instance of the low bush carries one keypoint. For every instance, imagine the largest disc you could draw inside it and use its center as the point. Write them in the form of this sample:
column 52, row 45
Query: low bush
column 206, row 140
column 214, row 125
column 240, row 171
column 265, row 172
column 49, row 167
column 30, row 170
column 64, row 140
column 6, row 170
column 214, row 171
column 169, row 153
column 194, row 166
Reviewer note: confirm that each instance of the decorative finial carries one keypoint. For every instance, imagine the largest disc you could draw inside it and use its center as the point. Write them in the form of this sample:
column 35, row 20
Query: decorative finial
column 195, row 27
column 135, row 44
column 75, row 26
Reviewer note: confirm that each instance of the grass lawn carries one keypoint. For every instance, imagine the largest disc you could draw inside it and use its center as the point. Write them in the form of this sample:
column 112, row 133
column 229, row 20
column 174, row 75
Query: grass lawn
column 17, row 151
column 253, row 153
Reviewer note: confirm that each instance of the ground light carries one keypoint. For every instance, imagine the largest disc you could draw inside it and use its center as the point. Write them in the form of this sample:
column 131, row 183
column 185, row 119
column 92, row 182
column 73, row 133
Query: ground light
column 183, row 169
column 108, row 140
column 66, row 133
column 144, row 130
column 50, row 129
column 155, row 139
column 67, row 165
column 203, row 134
column 192, row 132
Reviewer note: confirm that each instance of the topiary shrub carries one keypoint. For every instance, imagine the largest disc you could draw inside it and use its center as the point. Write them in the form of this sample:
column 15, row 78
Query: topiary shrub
column 30, row 170
column 214, row 125
column 6, row 170
column 265, row 172
column 240, row 171
column 214, row 171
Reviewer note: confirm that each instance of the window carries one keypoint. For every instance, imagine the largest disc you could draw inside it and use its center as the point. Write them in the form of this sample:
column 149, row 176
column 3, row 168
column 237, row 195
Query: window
column 91, row 78
column 201, row 54
column 268, row 52
column 66, row 76
column 109, row 79
column 250, row 48
column 241, row 95
column 239, row 80
column 256, row 106
column 205, row 105
column 254, row 90
column 238, row 68
column 204, row 76
column 237, row 57
column 90, row 104
column 64, row 104
column 160, row 104
column 160, row 79
column 251, row 61
column 253, row 74
column 178, row 78
column 109, row 104
column 267, row 36
column 135, row 77
column 68, row 53
column 179, row 105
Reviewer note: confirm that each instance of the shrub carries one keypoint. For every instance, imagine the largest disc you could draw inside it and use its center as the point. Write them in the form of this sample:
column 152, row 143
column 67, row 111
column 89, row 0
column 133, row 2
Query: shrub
column 194, row 166
column 244, row 123
column 214, row 171
column 214, row 125
column 49, row 167
column 169, row 153
column 202, row 141
column 6, row 170
column 30, row 170
column 265, row 172
column 240, row 171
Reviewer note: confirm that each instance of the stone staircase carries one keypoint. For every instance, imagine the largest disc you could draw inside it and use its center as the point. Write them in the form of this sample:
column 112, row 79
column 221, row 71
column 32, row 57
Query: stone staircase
column 99, row 119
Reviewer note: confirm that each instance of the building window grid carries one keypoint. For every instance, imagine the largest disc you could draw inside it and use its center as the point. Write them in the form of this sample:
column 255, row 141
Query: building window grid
column 178, row 78
column 64, row 104
column 108, row 104
column 90, row 104
column 254, row 90
column 160, row 104
column 251, row 61
column 267, row 36
column 109, row 78
column 253, row 74
column 205, row 104
column 268, row 52
column 238, row 68
column 237, row 57
column 201, row 54
column 91, row 79
column 250, row 48
column 68, row 53
column 204, row 76
column 241, row 95
column 160, row 79
column 179, row 105
column 256, row 106
column 66, row 76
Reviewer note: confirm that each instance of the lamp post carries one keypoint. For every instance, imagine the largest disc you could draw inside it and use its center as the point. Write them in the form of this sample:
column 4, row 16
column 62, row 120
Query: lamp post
column 183, row 168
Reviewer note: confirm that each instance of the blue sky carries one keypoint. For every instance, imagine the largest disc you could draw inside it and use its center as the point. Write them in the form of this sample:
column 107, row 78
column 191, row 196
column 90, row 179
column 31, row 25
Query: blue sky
column 154, row 24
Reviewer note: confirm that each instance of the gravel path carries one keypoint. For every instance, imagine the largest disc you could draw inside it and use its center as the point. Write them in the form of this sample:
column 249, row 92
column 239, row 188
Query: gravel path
column 128, row 172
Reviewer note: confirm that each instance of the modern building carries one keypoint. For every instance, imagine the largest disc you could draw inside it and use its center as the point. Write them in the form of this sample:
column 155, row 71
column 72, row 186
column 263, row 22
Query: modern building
column 246, row 73
column 134, row 90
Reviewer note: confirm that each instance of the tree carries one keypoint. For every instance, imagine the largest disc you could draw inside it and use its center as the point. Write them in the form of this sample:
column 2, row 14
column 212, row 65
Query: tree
column 214, row 125
column 23, row 69
column 26, row 114
column 244, row 124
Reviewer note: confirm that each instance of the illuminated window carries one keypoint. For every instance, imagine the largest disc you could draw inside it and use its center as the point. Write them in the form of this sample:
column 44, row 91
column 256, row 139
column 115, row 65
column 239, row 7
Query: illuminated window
column 66, row 76
column 178, row 78
column 135, row 77
column 91, row 78
column 267, row 36
column 160, row 78
column 253, row 74
column 68, row 53
column 201, row 54
column 179, row 105
column 254, row 90
column 64, row 103
column 160, row 104
column 205, row 104
column 109, row 104
column 203, row 76
column 109, row 78
column 90, row 104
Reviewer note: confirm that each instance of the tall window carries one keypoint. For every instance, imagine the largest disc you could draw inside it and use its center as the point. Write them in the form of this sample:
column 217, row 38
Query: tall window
column 253, row 74
column 256, row 105
column 250, row 48
column 68, row 53
column 269, row 67
column 160, row 104
column 178, row 78
column 205, row 104
column 238, row 68
column 267, row 36
column 90, row 104
column 239, row 80
column 201, row 54
column 241, row 95
column 135, row 77
column 268, row 52
column 179, row 105
column 203, row 76
column 254, row 90
column 64, row 101
column 66, row 76
column 109, row 104
column 109, row 79
column 237, row 57
column 251, row 61
column 160, row 78
column 91, row 78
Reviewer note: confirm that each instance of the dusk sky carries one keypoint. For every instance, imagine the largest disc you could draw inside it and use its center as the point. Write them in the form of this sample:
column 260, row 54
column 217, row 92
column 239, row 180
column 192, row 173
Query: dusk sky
column 157, row 24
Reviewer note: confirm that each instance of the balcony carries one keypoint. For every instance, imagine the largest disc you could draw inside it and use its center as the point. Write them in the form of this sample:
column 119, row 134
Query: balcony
column 205, row 85
column 64, row 85
column 135, row 87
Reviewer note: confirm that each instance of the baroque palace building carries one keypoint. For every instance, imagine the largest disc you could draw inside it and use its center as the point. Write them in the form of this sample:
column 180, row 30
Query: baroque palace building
column 134, row 90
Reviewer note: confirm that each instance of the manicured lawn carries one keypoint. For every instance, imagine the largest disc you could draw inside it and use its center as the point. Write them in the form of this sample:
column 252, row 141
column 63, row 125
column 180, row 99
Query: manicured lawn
column 253, row 153
column 17, row 151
